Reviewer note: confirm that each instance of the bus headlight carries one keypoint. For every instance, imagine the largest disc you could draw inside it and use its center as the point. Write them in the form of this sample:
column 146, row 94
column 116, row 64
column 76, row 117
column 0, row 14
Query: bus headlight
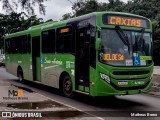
column 105, row 77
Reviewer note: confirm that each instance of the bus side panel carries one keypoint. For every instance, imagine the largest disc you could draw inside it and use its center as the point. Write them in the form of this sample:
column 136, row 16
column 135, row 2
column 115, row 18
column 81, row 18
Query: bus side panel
column 94, row 81
column 15, row 60
column 11, row 64
column 30, row 77
column 68, row 65
column 52, row 67
column 48, row 70
column 23, row 62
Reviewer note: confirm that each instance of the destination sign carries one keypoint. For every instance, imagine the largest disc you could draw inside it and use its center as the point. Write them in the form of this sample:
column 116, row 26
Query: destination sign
column 125, row 21
column 64, row 30
column 117, row 57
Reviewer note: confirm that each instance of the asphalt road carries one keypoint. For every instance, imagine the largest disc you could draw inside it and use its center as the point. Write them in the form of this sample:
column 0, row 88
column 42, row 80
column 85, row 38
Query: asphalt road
column 120, row 107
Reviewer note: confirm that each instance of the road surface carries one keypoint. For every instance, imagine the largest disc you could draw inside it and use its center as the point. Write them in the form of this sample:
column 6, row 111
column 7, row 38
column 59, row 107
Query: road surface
column 119, row 108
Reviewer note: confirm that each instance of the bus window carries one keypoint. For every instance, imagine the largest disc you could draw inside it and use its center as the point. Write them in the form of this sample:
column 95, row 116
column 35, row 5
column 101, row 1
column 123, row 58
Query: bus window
column 19, row 44
column 65, row 41
column 7, row 45
column 29, row 43
column 16, row 45
column 24, row 44
column 48, row 41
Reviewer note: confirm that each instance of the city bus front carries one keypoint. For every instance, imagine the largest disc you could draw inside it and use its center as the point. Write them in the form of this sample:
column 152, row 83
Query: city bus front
column 124, row 57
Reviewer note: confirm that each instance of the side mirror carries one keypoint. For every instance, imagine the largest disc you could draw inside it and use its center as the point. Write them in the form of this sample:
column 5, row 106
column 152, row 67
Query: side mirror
column 98, row 44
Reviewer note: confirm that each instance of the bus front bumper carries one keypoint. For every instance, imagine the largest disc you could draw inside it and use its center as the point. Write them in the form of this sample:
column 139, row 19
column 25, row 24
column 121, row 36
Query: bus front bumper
column 105, row 89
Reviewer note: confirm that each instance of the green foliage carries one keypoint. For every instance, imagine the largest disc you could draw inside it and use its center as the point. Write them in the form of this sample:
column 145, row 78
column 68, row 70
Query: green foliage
column 1, row 43
column 17, row 22
column 28, row 5
column 67, row 16
column 82, row 7
column 49, row 20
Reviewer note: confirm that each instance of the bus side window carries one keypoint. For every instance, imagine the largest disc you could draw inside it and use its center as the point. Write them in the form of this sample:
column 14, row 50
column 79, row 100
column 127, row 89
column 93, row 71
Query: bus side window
column 14, row 48
column 25, row 44
column 7, row 45
column 29, row 43
column 64, row 41
column 20, row 43
column 48, row 41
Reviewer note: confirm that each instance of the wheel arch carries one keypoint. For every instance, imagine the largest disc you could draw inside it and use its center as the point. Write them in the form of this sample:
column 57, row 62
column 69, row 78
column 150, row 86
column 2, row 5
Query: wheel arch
column 62, row 75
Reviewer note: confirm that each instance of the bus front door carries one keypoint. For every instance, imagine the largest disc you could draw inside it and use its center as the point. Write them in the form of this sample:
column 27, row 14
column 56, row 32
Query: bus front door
column 36, row 58
column 82, row 59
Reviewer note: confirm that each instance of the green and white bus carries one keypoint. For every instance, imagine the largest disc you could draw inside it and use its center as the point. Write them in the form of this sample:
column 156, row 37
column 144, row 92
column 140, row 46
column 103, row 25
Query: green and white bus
column 98, row 54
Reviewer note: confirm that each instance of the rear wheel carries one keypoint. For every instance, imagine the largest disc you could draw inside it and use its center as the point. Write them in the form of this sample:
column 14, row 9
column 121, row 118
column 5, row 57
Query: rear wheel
column 67, row 86
column 20, row 74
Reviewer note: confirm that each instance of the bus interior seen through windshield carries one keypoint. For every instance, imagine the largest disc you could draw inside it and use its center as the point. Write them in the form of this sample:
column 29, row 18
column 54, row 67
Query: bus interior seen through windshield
column 120, row 47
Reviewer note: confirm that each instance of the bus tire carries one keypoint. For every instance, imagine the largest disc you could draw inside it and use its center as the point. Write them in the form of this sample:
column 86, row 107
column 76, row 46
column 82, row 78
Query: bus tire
column 67, row 86
column 20, row 74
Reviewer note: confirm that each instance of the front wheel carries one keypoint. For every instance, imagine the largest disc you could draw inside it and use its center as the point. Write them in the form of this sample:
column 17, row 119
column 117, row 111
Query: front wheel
column 67, row 86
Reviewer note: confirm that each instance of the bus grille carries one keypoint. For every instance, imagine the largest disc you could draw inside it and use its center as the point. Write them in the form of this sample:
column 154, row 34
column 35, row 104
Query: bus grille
column 130, row 72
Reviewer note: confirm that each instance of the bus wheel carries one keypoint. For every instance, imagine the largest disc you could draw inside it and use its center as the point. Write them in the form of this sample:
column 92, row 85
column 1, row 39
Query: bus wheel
column 20, row 75
column 67, row 86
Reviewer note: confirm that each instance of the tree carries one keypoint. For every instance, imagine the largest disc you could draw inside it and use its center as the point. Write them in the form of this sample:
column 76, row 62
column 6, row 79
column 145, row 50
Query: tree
column 82, row 7
column 28, row 5
column 156, row 41
column 67, row 16
column 49, row 20
column 17, row 22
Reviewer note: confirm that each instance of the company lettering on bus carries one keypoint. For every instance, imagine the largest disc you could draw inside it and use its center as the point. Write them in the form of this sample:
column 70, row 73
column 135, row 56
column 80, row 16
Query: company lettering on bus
column 125, row 21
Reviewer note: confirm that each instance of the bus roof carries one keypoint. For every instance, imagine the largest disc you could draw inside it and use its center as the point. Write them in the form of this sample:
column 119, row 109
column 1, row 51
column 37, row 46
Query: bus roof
column 53, row 23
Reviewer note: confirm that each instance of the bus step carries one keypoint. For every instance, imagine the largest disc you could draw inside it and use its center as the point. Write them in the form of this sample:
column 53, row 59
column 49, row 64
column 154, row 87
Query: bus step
column 81, row 92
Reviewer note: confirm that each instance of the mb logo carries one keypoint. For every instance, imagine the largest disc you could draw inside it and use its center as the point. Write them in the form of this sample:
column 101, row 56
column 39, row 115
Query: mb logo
column 15, row 93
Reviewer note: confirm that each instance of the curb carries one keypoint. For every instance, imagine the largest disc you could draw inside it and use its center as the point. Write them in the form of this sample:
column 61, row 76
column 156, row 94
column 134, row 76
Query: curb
column 155, row 91
column 156, row 75
column 154, row 94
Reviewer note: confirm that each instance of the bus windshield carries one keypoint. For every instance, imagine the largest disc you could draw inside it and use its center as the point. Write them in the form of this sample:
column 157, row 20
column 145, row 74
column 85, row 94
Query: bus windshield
column 131, row 48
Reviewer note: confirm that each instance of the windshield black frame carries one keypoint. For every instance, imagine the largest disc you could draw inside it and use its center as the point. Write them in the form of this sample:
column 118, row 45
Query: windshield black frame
column 130, row 51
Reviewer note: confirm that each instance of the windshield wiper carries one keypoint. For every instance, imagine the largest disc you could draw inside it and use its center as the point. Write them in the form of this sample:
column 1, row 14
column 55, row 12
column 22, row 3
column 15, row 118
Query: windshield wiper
column 121, row 34
column 139, row 38
column 123, row 37
column 141, row 34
